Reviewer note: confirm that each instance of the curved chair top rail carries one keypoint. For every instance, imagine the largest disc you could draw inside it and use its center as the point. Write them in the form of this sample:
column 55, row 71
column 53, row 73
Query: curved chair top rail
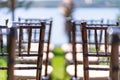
column 47, row 20
column 97, row 22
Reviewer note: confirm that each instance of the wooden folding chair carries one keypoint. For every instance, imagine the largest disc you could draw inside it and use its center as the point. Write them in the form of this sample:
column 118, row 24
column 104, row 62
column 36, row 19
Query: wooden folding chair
column 114, row 33
column 26, row 40
column 67, row 48
column 25, row 71
column 78, row 45
column 93, row 48
column 48, row 47
column 91, row 71
column 77, row 54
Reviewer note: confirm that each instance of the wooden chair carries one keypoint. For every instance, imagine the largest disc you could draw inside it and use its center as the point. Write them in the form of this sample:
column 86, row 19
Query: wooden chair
column 78, row 43
column 31, row 71
column 67, row 48
column 91, row 50
column 48, row 47
column 89, row 69
column 115, row 53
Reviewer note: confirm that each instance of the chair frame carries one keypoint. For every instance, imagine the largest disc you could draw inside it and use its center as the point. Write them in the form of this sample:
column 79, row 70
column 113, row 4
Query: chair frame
column 74, row 42
column 84, row 29
column 19, row 27
column 49, row 22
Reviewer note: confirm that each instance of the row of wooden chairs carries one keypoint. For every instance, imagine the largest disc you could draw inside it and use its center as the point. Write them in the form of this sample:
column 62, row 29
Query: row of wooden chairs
column 30, row 43
column 93, row 51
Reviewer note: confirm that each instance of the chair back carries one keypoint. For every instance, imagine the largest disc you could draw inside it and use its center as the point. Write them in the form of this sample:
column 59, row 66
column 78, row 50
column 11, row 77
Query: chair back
column 24, row 39
column 98, row 46
column 47, row 40
column 92, row 35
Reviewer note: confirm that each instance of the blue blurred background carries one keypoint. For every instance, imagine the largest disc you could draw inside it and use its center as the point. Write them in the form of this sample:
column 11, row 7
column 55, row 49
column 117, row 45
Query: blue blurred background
column 84, row 9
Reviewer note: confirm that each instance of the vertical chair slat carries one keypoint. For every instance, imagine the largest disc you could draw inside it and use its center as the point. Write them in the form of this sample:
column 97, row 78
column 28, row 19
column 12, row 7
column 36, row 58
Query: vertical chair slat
column 106, row 42
column 101, row 34
column 48, row 47
column 101, row 38
column 35, row 33
column 29, row 40
column 20, row 40
column 96, row 41
column 74, row 47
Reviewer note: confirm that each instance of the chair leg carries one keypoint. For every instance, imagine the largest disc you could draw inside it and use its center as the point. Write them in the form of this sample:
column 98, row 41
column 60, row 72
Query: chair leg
column 109, row 79
column 75, row 78
column 45, row 78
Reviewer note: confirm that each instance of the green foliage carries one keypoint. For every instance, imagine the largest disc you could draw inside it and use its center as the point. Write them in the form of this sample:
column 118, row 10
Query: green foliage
column 58, row 51
column 59, row 66
column 3, row 72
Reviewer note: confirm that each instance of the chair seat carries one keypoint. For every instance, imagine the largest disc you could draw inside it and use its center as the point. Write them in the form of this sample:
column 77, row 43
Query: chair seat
column 31, row 73
column 51, row 47
column 94, row 74
column 33, row 59
column 79, row 56
column 34, row 45
column 68, row 47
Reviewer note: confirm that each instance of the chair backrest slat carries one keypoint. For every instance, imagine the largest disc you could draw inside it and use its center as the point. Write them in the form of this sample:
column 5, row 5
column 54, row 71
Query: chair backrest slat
column 96, row 42
column 74, row 47
column 29, row 39
column 20, row 40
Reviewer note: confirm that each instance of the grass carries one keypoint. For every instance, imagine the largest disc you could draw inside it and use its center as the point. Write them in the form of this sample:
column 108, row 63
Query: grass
column 58, row 63
column 3, row 72
column 3, row 62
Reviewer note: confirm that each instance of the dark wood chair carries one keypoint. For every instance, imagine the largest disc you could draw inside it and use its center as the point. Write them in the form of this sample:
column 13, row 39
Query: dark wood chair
column 67, row 48
column 24, row 71
column 78, row 43
column 102, row 69
column 48, row 46
column 115, row 52
column 98, row 48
